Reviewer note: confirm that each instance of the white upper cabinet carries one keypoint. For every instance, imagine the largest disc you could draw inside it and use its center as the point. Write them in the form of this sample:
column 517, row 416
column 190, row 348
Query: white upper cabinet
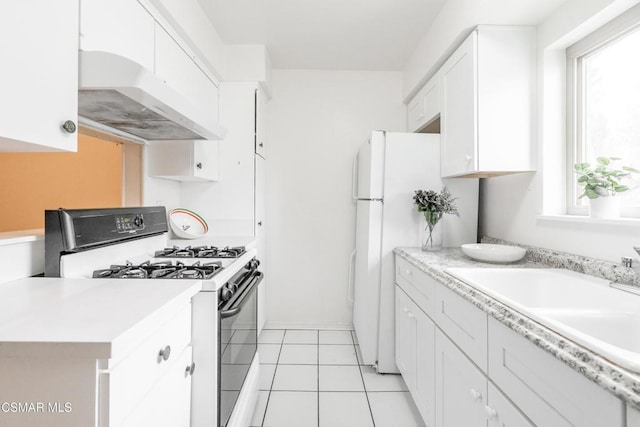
column 261, row 120
column 488, row 103
column 39, row 84
column 424, row 108
column 176, row 68
column 122, row 27
column 185, row 160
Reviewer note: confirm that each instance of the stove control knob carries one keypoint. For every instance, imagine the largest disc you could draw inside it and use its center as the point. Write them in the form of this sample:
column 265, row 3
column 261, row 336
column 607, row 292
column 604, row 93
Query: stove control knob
column 138, row 221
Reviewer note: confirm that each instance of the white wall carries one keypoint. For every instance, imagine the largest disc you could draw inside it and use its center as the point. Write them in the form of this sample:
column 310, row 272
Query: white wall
column 512, row 204
column 316, row 121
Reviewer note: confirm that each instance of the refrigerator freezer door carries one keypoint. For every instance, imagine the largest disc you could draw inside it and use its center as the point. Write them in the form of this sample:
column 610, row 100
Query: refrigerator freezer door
column 367, row 278
column 370, row 170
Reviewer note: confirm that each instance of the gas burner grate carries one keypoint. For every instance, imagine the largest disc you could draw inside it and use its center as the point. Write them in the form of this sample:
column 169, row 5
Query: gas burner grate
column 201, row 252
column 160, row 270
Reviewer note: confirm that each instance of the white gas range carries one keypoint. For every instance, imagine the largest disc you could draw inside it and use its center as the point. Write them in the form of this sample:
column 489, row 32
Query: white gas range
column 133, row 243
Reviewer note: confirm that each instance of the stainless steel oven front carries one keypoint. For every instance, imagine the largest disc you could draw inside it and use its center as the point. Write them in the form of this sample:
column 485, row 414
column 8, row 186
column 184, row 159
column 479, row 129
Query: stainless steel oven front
column 238, row 335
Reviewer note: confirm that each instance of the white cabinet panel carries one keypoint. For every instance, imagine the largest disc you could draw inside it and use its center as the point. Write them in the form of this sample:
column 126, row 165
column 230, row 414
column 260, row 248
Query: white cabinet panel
column 547, row 391
column 461, row 389
column 488, row 103
column 415, row 353
column 458, row 120
column 39, row 84
column 464, row 323
column 260, row 233
column 177, row 69
column 261, row 123
column 185, row 160
column 501, row 413
column 122, row 27
column 168, row 404
column 420, row 287
column 425, row 106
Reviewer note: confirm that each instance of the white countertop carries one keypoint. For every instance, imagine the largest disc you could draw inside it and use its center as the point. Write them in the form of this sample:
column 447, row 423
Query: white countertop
column 21, row 236
column 94, row 318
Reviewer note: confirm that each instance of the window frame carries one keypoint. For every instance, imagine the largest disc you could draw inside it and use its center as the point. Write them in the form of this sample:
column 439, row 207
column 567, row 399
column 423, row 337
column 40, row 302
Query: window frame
column 607, row 34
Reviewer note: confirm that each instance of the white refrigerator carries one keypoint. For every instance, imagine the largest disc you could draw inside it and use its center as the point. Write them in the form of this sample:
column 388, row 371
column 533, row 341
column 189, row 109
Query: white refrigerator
column 387, row 171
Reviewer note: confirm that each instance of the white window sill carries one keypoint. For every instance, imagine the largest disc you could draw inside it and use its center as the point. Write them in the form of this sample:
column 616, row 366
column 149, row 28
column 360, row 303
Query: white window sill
column 588, row 221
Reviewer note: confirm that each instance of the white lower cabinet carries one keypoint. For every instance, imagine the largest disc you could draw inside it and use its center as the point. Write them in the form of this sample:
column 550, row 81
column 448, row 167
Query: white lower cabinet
column 415, row 340
column 461, row 388
column 466, row 369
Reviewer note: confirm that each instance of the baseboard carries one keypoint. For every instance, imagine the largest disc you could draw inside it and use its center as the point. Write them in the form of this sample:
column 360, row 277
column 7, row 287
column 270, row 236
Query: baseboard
column 324, row 326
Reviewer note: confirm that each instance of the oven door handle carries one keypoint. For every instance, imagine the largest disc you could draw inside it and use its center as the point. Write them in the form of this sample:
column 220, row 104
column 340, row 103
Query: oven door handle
column 237, row 306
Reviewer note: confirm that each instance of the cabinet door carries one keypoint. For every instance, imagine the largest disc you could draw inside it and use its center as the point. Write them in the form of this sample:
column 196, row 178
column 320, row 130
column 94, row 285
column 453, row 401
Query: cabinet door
column 260, row 233
column 175, row 67
column 184, row 161
column 415, row 112
column 502, row 413
column 261, row 121
column 431, row 98
column 461, row 389
column 425, row 367
column 458, row 119
column 206, row 160
column 169, row 402
column 39, row 84
column 405, row 338
column 122, row 27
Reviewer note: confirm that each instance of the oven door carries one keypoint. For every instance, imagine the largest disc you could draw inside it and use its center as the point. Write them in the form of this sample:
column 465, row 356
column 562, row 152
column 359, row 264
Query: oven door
column 238, row 342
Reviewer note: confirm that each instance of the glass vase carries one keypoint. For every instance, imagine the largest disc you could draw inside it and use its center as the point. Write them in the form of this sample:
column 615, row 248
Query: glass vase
column 432, row 238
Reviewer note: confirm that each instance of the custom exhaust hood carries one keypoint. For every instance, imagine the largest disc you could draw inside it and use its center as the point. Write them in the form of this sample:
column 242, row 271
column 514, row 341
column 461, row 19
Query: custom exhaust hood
column 119, row 96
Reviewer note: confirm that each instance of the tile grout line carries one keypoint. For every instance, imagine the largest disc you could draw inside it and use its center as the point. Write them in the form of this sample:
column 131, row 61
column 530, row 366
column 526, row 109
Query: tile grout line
column 273, row 380
column 364, row 385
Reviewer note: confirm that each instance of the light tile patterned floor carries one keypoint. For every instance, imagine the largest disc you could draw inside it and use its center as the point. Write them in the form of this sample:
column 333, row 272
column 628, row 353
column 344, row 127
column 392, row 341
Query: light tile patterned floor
column 314, row 378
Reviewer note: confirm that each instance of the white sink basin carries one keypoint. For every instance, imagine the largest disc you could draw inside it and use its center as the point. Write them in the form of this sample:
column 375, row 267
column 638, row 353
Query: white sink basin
column 580, row 307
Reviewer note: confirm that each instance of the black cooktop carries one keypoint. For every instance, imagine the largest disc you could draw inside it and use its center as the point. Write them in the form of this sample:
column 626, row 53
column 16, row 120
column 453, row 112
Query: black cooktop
column 160, row 270
column 201, row 252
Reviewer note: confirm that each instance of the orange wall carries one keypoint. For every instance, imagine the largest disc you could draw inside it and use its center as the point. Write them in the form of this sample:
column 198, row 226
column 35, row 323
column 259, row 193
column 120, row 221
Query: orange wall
column 33, row 182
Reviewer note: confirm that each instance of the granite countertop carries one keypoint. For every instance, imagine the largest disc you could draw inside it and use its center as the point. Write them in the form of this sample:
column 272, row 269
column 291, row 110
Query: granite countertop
column 619, row 381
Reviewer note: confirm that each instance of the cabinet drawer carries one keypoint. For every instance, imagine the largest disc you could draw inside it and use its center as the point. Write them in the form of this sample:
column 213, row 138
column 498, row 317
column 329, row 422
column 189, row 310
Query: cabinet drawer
column 548, row 392
column 464, row 323
column 126, row 384
column 417, row 284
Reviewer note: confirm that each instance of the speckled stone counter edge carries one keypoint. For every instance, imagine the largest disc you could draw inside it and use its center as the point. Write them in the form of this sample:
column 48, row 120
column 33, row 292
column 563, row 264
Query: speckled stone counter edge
column 581, row 264
column 621, row 382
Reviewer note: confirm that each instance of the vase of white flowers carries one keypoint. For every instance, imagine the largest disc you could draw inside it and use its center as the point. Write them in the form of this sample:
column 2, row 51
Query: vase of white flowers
column 433, row 206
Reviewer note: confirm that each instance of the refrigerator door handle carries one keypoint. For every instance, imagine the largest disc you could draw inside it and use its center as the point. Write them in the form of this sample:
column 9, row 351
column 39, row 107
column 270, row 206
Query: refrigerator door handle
column 354, row 177
column 350, row 281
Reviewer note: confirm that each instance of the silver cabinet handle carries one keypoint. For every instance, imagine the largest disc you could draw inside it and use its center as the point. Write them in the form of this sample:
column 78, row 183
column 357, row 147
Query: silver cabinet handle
column 190, row 369
column 199, row 165
column 259, row 223
column 261, row 144
column 69, row 126
column 164, row 353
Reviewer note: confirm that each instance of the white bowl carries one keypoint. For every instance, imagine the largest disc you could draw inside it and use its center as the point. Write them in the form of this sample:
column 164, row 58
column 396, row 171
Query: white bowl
column 493, row 253
column 187, row 224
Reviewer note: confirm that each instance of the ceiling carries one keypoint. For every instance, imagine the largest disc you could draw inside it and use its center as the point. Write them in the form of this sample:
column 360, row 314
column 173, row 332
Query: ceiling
column 326, row 34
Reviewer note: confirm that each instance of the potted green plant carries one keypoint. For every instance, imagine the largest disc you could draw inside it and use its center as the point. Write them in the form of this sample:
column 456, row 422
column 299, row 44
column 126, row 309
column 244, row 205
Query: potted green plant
column 433, row 206
column 601, row 183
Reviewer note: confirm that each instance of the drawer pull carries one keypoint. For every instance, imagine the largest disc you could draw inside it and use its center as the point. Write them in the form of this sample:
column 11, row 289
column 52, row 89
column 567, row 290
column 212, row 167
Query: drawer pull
column 190, row 368
column 475, row 395
column 491, row 413
column 164, row 354
column 410, row 315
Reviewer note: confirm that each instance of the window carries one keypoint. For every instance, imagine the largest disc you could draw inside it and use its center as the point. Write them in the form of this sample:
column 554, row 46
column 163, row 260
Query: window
column 603, row 101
